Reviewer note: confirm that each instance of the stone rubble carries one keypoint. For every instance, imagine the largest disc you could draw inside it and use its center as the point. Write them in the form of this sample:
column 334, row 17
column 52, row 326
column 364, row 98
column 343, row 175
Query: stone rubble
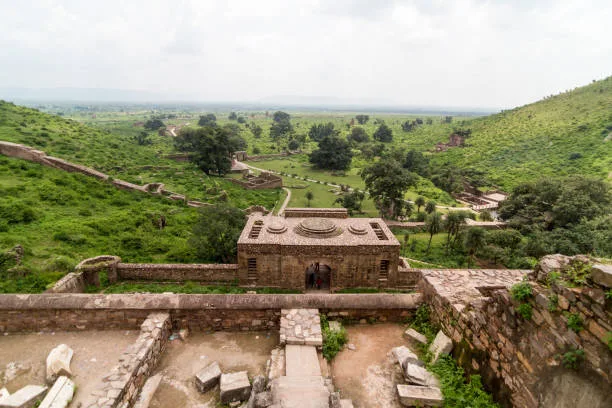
column 403, row 355
column 234, row 387
column 58, row 363
column 416, row 336
column 208, row 377
column 26, row 397
column 412, row 395
column 442, row 344
column 60, row 395
column 417, row 375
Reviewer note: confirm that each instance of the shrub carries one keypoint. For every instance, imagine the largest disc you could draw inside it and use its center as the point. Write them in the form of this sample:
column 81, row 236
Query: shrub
column 521, row 291
column 572, row 358
column 333, row 341
column 525, row 311
column 553, row 301
column 60, row 264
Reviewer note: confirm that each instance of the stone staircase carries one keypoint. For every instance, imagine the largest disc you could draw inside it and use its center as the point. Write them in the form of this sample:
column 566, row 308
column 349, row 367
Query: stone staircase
column 302, row 386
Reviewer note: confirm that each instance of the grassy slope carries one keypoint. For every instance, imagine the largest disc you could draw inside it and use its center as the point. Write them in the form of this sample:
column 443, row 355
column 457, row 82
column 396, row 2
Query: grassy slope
column 537, row 139
column 75, row 217
column 112, row 150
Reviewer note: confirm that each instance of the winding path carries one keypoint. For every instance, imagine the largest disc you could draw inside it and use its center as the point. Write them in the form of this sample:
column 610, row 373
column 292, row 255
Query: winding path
column 282, row 208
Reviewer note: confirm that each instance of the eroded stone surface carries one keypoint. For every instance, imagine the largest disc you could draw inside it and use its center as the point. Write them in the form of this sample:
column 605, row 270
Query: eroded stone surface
column 301, row 326
column 146, row 395
column 418, row 375
column 403, row 355
column 58, row 362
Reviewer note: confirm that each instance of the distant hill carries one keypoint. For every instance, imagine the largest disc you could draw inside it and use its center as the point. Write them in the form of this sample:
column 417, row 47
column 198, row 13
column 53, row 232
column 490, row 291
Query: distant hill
column 565, row 134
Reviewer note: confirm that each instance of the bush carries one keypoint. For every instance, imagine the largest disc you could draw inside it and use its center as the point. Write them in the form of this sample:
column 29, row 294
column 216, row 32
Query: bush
column 60, row 264
column 574, row 322
column 525, row 311
column 521, row 291
column 333, row 341
column 572, row 358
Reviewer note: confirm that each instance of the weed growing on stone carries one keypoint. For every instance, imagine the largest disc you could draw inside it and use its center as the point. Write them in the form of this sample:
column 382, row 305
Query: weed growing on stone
column 574, row 322
column 553, row 302
column 572, row 358
column 525, row 311
column 521, row 291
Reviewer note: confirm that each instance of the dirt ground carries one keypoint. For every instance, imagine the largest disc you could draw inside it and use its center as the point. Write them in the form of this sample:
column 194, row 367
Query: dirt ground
column 183, row 360
column 368, row 374
column 23, row 357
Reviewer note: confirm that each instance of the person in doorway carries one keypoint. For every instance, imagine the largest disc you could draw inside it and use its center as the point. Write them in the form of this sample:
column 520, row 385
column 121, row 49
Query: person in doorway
column 311, row 278
column 319, row 282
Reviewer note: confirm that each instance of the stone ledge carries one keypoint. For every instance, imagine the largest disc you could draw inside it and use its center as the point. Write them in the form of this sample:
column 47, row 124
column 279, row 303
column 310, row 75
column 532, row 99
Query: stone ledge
column 49, row 301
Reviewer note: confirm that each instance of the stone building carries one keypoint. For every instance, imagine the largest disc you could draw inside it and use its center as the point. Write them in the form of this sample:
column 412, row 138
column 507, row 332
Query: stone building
column 318, row 247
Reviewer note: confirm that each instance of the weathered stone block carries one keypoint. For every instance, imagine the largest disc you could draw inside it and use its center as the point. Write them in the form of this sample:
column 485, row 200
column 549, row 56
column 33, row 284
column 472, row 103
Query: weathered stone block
column 58, row 362
column 235, row 387
column 403, row 356
column 346, row 403
column 442, row 344
column 147, row 392
column 416, row 336
column 418, row 375
column 414, row 395
column 259, row 384
column 208, row 377
column 27, row 397
column 602, row 275
column 60, row 395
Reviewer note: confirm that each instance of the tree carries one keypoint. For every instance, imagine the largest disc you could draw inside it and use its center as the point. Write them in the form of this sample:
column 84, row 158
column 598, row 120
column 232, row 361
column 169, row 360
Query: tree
column 215, row 234
column 383, row 133
column 143, row 138
column 241, row 119
column 232, row 116
column 309, row 197
column 430, row 207
column 293, row 144
column 409, row 126
column 362, row 119
column 358, row 135
column 211, row 148
column 387, row 182
column 280, row 116
column 474, row 241
column 256, row 130
column 453, row 223
column 352, row 201
column 433, row 225
column 419, row 202
column 207, row 120
column 417, row 163
column 333, row 153
column 153, row 124
column 485, row 215
column 319, row 131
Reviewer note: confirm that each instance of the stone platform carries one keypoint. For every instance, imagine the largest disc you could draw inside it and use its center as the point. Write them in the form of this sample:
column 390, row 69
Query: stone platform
column 301, row 326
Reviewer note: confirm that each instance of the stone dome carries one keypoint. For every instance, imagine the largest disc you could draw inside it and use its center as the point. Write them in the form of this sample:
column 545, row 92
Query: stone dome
column 317, row 228
column 276, row 227
column 358, row 229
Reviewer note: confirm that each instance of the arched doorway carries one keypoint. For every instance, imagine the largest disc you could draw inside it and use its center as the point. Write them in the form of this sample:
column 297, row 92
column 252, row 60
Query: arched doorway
column 317, row 277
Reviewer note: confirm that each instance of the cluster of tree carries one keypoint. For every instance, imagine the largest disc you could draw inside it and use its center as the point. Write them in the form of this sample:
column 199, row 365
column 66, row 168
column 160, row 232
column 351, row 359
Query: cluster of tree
column 207, row 120
column 143, row 138
column 352, row 201
column 281, row 126
column 334, row 153
column 358, row 135
column 210, row 147
column 567, row 215
column 255, row 129
column 320, row 131
column 215, row 235
column 383, row 133
column 234, row 116
column 153, row 124
column 409, row 126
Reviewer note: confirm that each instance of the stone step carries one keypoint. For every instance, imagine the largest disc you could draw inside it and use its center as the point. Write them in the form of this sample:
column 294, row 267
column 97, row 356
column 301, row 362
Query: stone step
column 300, row 392
column 301, row 361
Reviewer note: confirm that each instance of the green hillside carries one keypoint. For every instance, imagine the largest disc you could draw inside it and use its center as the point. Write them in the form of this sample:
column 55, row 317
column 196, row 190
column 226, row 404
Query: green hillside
column 566, row 134
column 61, row 218
column 116, row 153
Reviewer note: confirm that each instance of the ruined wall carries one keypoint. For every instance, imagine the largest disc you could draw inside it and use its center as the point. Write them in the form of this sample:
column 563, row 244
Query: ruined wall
column 120, row 388
column 520, row 359
column 258, row 184
column 205, row 273
column 71, row 283
column 52, row 312
column 316, row 212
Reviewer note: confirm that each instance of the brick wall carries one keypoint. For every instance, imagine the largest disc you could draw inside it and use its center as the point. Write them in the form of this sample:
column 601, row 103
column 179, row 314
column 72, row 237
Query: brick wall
column 206, row 273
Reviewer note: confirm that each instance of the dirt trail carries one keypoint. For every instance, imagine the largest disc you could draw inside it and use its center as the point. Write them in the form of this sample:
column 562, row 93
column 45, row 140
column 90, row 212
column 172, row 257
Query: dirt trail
column 23, row 357
column 368, row 375
column 183, row 360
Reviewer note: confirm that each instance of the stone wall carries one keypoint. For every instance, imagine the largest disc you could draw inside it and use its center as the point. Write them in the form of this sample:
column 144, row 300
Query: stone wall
column 316, row 212
column 520, row 359
column 51, row 312
column 71, row 283
column 258, row 183
column 123, row 384
column 206, row 273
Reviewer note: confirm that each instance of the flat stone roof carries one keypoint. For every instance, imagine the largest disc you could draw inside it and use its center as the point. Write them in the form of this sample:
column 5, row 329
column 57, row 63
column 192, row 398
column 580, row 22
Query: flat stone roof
column 316, row 231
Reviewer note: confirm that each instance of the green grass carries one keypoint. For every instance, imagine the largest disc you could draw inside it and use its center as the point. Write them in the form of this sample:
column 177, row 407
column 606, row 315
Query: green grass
column 187, row 287
column 437, row 254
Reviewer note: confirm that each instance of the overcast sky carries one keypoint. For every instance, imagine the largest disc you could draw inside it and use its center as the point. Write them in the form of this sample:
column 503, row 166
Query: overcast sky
column 463, row 53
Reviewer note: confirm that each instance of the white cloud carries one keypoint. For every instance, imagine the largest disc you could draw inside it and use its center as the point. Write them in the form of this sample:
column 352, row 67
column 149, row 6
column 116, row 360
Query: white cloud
column 460, row 53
